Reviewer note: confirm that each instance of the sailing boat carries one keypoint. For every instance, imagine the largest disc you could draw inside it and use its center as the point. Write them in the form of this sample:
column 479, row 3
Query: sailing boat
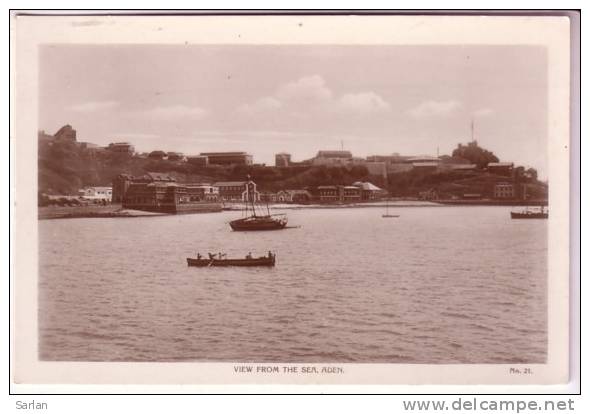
column 387, row 215
column 256, row 221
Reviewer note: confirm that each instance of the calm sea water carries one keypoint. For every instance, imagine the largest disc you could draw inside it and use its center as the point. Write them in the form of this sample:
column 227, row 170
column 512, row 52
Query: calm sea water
column 436, row 285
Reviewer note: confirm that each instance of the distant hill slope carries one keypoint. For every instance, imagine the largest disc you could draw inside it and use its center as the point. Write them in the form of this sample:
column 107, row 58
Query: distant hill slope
column 64, row 168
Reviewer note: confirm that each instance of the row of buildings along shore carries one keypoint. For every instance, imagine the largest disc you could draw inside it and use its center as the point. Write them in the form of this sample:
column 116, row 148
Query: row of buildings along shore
column 161, row 192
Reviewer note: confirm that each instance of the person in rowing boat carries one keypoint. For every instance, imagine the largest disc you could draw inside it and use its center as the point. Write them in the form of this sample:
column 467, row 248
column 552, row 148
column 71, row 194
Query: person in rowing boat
column 199, row 257
column 269, row 254
column 249, row 255
column 211, row 256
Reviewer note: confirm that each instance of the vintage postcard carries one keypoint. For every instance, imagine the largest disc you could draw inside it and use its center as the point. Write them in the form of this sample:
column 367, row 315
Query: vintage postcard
column 375, row 199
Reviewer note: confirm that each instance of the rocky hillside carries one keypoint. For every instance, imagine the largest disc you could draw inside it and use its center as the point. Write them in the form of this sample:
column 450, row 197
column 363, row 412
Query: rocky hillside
column 65, row 167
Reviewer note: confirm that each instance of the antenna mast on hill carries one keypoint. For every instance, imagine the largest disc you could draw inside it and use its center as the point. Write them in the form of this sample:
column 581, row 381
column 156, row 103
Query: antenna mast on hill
column 472, row 135
column 342, row 144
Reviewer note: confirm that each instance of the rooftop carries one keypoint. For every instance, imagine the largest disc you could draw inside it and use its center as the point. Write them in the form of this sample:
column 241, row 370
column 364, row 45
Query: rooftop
column 423, row 158
column 229, row 183
column 367, row 186
column 229, row 153
column 334, row 154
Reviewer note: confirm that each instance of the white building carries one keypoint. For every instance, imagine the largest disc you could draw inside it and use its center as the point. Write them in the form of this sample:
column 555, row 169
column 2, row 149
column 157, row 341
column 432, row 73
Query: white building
column 97, row 193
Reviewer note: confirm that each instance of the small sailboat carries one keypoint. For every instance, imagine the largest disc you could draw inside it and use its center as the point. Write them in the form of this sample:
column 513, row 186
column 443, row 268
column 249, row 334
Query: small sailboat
column 387, row 215
column 253, row 220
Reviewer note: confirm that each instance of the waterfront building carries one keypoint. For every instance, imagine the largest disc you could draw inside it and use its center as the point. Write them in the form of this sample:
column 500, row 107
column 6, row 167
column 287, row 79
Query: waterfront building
column 97, row 193
column 202, row 192
column 503, row 190
column 328, row 193
column 339, row 193
column 369, row 191
column 161, row 193
column 235, row 191
column 350, row 193
column 282, row 159
column 154, row 196
column 268, row 197
column 228, row 158
column 121, row 184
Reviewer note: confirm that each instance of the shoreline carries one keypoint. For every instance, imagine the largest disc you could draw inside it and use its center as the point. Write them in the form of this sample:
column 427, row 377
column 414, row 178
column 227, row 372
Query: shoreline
column 116, row 211
column 112, row 211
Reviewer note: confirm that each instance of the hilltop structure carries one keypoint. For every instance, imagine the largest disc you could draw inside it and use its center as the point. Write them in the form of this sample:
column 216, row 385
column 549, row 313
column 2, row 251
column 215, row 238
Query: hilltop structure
column 228, row 158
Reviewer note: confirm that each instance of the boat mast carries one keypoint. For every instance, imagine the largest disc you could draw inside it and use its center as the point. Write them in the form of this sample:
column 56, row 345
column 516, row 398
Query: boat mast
column 250, row 196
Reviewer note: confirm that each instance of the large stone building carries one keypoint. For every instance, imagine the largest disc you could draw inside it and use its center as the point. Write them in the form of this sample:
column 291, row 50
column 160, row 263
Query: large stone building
column 369, row 191
column 161, row 193
column 359, row 191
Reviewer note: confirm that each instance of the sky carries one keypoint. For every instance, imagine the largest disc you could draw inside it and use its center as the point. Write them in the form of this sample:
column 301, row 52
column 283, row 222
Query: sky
column 265, row 99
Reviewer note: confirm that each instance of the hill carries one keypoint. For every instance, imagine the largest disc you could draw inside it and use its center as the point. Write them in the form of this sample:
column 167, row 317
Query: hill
column 65, row 167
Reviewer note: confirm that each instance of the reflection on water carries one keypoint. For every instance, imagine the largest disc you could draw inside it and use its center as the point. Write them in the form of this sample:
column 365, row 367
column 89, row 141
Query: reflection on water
column 436, row 285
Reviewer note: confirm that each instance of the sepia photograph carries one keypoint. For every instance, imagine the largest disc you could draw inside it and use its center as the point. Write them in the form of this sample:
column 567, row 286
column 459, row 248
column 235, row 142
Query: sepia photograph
column 301, row 209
